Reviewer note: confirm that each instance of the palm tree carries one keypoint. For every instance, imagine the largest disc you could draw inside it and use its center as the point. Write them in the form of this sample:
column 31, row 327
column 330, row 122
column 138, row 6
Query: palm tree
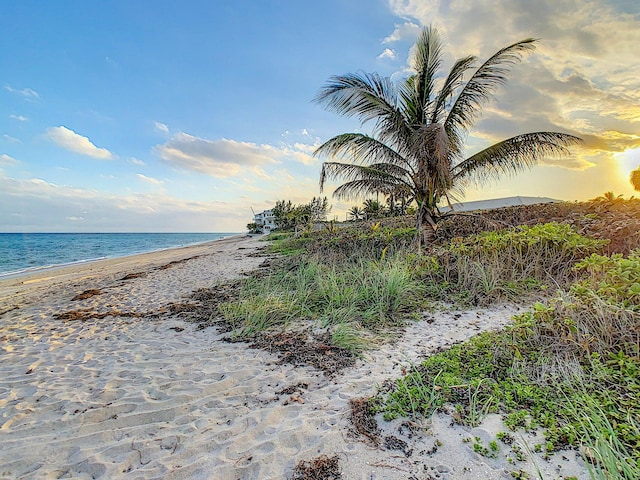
column 420, row 126
column 356, row 213
column 635, row 179
column 609, row 198
column 373, row 208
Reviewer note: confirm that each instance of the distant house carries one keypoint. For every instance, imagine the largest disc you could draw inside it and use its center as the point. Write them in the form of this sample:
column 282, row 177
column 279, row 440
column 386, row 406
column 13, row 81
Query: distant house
column 497, row 203
column 265, row 221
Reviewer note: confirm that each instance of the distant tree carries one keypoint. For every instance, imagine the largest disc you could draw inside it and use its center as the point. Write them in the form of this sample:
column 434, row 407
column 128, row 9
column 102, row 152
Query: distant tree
column 253, row 227
column 635, row 179
column 373, row 208
column 609, row 198
column 287, row 215
column 356, row 213
column 421, row 123
column 319, row 209
column 283, row 213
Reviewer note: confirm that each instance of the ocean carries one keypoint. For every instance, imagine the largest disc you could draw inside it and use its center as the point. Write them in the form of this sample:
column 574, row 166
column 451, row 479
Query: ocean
column 24, row 252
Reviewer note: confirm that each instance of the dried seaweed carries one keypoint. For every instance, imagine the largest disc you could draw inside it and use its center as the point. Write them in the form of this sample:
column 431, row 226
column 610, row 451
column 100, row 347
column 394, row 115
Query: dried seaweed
column 363, row 420
column 87, row 294
column 88, row 314
column 320, row 468
column 302, row 349
column 131, row 276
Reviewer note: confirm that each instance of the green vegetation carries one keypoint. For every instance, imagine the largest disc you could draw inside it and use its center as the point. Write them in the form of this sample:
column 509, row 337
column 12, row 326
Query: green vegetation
column 355, row 300
column 508, row 264
column 291, row 217
column 569, row 365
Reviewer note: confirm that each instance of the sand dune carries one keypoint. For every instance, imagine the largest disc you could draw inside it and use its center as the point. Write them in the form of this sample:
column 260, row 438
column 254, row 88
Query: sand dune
column 136, row 392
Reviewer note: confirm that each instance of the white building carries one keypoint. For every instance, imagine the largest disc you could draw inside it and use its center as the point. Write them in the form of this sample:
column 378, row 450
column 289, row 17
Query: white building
column 265, row 221
column 497, row 203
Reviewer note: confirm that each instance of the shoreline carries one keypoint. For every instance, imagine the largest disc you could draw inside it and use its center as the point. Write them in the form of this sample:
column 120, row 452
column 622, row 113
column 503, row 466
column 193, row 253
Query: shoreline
column 16, row 286
column 45, row 268
column 137, row 392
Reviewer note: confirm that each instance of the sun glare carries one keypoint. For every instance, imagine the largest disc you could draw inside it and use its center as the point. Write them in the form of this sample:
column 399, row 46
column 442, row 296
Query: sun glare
column 628, row 161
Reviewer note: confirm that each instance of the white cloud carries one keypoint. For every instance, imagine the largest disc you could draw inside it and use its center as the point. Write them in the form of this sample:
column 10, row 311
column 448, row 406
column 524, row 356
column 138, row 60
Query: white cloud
column 20, row 118
column 218, row 158
column 74, row 142
column 10, row 139
column 162, row 127
column 406, row 31
column 7, row 160
column 387, row 53
column 137, row 161
column 25, row 92
column 226, row 158
column 151, row 180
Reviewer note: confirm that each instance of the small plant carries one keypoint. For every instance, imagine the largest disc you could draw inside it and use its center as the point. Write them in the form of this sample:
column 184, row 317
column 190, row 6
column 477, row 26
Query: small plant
column 518, row 453
column 490, row 452
column 412, row 397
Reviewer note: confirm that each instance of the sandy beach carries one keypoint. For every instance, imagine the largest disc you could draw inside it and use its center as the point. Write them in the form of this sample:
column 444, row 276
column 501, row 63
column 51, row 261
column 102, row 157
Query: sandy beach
column 125, row 388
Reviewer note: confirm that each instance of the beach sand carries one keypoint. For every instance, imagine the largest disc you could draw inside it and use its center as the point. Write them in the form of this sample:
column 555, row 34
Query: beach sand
column 124, row 388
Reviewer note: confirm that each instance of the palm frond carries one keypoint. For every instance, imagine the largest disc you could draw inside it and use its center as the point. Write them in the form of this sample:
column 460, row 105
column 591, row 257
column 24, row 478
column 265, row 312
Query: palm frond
column 451, row 84
column 482, row 86
column 360, row 180
column 513, row 155
column 379, row 177
column 428, row 59
column 360, row 148
column 357, row 189
column 368, row 96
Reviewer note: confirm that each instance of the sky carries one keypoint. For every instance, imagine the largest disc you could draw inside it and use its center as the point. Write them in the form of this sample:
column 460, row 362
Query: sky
column 164, row 116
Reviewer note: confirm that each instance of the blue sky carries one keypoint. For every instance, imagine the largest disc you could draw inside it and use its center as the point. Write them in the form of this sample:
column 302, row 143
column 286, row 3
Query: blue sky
column 182, row 116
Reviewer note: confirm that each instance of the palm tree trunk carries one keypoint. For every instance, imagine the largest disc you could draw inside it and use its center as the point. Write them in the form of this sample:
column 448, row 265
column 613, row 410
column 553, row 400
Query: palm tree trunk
column 426, row 228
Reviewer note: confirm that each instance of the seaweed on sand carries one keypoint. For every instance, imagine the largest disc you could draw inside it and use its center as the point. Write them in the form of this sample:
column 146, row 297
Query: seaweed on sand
column 320, row 468
column 363, row 420
column 87, row 294
column 302, row 349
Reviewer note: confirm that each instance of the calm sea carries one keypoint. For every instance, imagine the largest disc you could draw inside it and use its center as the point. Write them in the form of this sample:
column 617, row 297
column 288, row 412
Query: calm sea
column 23, row 252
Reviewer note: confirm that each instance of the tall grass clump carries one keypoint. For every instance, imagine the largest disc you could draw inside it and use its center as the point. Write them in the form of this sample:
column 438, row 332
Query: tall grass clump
column 507, row 264
column 608, row 455
column 370, row 295
column 264, row 303
column 570, row 365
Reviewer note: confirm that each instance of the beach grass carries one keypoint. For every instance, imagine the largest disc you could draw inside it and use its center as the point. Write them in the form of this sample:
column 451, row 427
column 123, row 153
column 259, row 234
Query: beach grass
column 356, row 301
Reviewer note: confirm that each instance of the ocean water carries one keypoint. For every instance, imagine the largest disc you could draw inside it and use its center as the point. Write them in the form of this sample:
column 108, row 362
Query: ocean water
column 24, row 252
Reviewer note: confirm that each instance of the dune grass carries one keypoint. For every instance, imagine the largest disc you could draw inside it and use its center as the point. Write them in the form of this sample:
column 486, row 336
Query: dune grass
column 356, row 301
